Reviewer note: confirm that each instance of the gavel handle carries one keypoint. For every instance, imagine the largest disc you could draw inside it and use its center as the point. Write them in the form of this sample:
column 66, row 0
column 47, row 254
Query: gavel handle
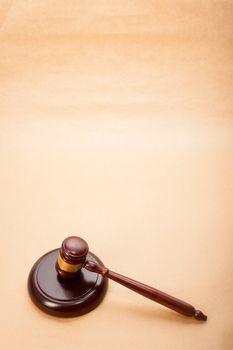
column 149, row 292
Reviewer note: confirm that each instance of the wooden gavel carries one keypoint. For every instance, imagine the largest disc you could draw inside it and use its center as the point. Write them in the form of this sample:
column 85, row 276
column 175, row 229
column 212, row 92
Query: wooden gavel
column 73, row 257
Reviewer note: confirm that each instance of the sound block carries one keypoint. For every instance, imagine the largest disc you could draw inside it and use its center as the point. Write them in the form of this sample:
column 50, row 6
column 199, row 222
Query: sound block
column 65, row 297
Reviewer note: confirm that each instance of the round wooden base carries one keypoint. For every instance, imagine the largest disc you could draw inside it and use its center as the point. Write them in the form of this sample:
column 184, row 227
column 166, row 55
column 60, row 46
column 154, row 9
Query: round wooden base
column 65, row 297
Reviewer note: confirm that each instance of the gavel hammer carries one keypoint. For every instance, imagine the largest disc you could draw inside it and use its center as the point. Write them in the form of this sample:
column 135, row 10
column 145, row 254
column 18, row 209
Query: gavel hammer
column 73, row 258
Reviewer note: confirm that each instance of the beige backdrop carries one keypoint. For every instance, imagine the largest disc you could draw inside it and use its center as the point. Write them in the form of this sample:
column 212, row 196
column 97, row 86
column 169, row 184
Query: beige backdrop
column 116, row 125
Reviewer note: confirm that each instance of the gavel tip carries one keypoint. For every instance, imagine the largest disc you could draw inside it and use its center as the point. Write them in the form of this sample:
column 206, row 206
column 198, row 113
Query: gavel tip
column 200, row 316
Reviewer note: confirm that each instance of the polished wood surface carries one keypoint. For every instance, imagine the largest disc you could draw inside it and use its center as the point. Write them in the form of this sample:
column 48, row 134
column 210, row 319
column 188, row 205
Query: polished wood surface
column 160, row 297
column 73, row 253
column 116, row 125
column 65, row 297
column 73, row 248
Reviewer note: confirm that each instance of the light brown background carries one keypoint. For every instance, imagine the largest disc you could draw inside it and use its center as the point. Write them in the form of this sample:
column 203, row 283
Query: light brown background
column 116, row 124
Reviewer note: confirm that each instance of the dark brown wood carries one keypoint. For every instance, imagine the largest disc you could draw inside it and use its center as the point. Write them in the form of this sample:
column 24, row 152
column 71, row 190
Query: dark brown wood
column 61, row 296
column 59, row 284
column 148, row 292
column 72, row 256
column 74, row 250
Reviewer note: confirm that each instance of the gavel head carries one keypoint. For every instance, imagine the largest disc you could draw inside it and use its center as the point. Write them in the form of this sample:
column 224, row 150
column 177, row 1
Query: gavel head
column 72, row 256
